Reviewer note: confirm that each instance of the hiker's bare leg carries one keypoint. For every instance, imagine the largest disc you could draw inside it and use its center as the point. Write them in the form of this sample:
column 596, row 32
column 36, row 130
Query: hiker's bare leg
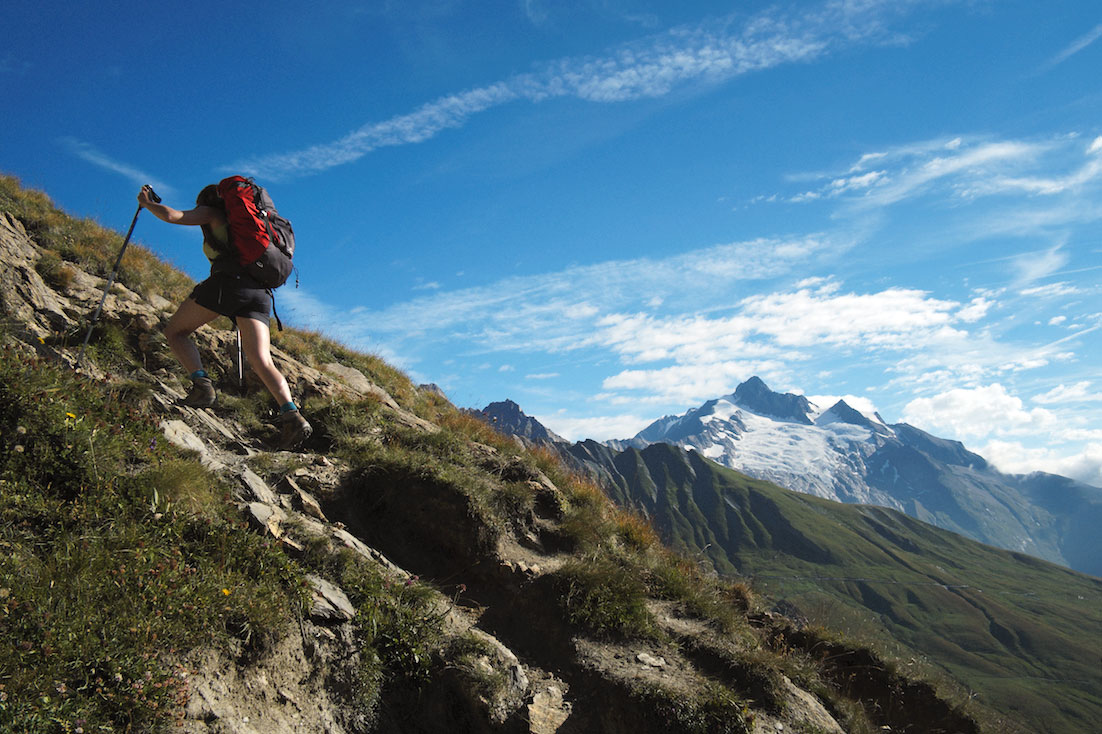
column 256, row 341
column 188, row 317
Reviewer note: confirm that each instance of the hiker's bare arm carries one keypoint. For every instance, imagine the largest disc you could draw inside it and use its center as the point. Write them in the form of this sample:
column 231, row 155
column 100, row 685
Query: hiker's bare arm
column 198, row 215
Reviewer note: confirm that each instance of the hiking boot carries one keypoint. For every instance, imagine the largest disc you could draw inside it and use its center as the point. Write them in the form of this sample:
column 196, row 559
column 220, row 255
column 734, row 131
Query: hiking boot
column 201, row 395
column 293, row 430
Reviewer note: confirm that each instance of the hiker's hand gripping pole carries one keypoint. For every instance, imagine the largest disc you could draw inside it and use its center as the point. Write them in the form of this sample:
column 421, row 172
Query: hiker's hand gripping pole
column 152, row 195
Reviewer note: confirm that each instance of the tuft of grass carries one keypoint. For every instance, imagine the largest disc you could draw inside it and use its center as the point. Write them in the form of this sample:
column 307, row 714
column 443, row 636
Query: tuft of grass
column 714, row 709
column 601, row 529
column 475, row 429
column 55, row 271
column 606, row 597
column 109, row 347
column 468, row 654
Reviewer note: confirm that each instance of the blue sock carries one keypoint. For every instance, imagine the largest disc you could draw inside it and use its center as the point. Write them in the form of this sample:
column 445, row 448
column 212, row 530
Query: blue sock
column 287, row 407
column 198, row 373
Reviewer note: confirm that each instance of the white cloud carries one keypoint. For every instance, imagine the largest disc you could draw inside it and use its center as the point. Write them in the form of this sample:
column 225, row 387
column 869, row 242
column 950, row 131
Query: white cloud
column 1051, row 290
column 963, row 167
column 969, row 359
column 857, row 402
column 906, row 330
column 853, row 183
column 581, row 311
column 139, row 178
column 977, row 413
column 598, row 428
column 1076, row 46
column 415, row 127
column 1043, row 185
column 975, row 310
column 1080, row 392
column 534, row 11
column 528, row 311
column 1033, row 266
column 967, row 169
column 1012, row 457
column 685, row 384
column 542, row 376
column 891, row 318
column 776, row 324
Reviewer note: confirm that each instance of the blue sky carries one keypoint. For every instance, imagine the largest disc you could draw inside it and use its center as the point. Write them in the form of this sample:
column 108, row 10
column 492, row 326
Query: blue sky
column 613, row 210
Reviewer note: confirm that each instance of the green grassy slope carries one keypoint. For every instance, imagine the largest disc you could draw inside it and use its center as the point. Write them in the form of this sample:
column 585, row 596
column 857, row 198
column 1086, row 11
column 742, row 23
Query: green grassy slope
column 1023, row 634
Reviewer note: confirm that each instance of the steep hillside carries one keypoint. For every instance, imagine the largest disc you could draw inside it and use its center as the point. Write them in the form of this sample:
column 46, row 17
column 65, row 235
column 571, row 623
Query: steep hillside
column 409, row 571
column 1021, row 633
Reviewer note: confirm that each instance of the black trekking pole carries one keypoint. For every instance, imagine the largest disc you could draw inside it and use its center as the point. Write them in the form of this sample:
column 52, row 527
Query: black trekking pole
column 114, row 272
column 240, row 363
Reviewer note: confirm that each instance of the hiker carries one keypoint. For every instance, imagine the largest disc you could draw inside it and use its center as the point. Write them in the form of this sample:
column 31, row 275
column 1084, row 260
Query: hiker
column 228, row 291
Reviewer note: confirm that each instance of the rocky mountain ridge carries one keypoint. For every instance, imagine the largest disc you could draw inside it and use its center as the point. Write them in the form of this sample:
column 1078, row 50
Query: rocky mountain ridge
column 512, row 420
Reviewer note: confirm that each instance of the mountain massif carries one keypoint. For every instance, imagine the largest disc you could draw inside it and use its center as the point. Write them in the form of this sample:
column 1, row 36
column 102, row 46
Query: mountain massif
column 844, row 455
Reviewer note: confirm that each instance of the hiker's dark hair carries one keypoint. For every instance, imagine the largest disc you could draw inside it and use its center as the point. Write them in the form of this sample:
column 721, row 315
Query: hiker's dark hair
column 209, row 197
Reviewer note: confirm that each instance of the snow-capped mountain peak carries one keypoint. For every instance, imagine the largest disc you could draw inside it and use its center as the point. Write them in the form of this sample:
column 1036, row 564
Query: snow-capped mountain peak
column 781, row 437
column 755, row 395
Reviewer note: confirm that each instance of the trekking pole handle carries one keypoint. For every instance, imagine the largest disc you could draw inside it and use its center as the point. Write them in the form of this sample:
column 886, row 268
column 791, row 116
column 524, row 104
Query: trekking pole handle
column 152, row 194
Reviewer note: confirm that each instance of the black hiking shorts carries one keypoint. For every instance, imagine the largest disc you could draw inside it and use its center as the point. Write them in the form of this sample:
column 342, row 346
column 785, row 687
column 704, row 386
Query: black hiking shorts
column 233, row 295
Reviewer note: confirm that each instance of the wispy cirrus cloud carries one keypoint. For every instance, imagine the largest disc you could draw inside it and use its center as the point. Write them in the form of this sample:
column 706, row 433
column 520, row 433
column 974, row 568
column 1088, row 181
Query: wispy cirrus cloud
column 91, row 154
column 959, row 169
column 1080, row 392
column 1087, row 39
column 706, row 54
column 560, row 310
column 701, row 356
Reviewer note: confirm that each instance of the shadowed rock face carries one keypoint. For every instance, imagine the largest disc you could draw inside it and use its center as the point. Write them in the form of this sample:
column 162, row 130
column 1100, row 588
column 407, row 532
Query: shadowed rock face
column 756, row 395
column 507, row 417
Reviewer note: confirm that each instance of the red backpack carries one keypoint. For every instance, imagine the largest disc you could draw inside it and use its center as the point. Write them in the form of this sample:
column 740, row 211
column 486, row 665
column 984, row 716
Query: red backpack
column 263, row 240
